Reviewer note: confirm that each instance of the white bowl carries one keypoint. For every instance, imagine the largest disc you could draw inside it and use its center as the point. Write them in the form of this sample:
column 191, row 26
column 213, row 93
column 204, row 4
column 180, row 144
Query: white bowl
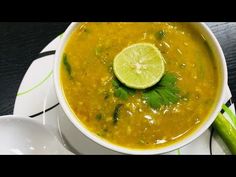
column 221, row 64
column 22, row 135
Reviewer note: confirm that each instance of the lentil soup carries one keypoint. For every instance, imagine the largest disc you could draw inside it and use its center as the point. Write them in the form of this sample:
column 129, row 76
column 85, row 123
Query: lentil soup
column 125, row 118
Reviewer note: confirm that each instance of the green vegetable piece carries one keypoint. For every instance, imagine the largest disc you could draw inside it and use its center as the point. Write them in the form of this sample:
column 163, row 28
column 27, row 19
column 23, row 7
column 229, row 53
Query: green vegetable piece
column 115, row 83
column 129, row 90
column 106, row 96
column 168, row 80
column 121, row 93
column 86, row 30
column 160, row 34
column 99, row 116
column 105, row 130
column 167, row 96
column 230, row 113
column 226, row 131
column 67, row 65
column 163, row 93
column 153, row 99
column 116, row 113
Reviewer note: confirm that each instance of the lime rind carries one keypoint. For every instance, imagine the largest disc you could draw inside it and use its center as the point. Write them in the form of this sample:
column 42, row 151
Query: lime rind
column 139, row 66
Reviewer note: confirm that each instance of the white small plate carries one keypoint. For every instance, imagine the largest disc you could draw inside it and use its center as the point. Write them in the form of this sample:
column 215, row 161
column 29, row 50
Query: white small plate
column 37, row 98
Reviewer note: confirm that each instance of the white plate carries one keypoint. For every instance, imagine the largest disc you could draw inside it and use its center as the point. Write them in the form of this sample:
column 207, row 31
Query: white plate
column 37, row 98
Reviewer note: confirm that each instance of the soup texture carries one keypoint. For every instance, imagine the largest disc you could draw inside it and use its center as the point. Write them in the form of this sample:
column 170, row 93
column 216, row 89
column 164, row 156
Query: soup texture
column 127, row 120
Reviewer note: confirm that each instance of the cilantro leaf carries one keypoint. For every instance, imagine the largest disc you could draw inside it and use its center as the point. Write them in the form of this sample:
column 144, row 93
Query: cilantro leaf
column 168, row 80
column 151, row 98
column 115, row 83
column 163, row 93
column 121, row 91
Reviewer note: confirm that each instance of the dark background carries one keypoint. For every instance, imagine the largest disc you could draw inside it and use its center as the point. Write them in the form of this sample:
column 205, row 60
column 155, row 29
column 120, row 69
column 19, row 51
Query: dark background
column 20, row 44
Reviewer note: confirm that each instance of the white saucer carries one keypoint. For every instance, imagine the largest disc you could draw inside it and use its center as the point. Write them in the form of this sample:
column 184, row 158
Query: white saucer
column 37, row 98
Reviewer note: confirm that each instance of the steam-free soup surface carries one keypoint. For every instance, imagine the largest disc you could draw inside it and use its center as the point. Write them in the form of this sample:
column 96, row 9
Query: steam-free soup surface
column 87, row 77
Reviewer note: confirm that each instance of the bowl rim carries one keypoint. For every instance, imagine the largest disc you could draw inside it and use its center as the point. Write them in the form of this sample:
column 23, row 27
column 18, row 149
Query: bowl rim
column 105, row 143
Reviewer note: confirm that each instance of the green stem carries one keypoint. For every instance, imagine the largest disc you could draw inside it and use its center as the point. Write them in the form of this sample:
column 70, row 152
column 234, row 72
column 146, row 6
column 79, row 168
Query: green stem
column 226, row 131
column 230, row 113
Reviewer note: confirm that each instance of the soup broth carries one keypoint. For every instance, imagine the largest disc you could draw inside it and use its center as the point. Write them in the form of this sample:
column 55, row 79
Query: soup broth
column 87, row 77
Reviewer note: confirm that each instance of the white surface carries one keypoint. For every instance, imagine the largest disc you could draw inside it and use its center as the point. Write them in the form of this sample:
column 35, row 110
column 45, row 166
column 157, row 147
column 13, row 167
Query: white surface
column 25, row 136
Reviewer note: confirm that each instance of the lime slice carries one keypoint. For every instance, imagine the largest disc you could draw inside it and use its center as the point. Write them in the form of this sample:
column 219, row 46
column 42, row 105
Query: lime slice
column 139, row 66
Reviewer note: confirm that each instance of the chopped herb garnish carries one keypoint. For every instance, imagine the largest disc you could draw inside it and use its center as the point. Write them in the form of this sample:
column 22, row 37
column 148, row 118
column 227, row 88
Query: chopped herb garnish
column 121, row 91
column 163, row 93
column 105, row 130
column 115, row 83
column 168, row 80
column 129, row 90
column 160, row 34
column 106, row 96
column 99, row 116
column 86, row 30
column 152, row 98
column 116, row 113
column 99, row 134
column 67, row 65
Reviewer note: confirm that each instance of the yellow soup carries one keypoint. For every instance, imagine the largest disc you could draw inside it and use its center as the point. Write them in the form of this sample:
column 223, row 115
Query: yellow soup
column 87, row 79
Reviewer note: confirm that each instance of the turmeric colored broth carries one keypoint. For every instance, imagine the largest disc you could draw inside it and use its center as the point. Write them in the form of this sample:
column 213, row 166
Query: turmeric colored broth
column 89, row 91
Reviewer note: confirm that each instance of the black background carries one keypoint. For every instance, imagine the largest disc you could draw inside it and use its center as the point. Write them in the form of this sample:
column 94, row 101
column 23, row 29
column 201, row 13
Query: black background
column 20, row 44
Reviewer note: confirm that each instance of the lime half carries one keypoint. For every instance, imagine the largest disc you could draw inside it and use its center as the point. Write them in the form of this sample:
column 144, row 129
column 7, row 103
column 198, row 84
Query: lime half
column 139, row 66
